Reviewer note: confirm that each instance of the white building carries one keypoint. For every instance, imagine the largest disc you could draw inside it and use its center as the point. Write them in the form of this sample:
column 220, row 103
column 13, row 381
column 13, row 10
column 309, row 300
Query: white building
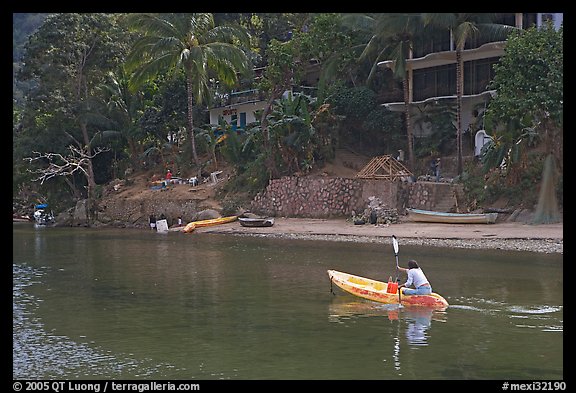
column 432, row 75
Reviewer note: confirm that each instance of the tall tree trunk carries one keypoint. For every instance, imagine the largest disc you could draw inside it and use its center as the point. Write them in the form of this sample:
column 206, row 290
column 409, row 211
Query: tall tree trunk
column 190, row 94
column 89, row 172
column 276, row 93
column 547, row 211
column 409, row 130
column 459, row 93
column 134, row 154
column 264, row 121
column 75, row 191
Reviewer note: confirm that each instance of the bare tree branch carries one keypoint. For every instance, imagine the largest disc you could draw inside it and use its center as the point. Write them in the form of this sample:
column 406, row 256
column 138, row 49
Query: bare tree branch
column 60, row 165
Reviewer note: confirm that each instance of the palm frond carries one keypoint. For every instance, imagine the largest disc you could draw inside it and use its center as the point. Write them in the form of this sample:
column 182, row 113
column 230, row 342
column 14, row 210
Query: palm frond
column 149, row 70
column 362, row 22
column 464, row 32
column 227, row 34
column 101, row 136
column 201, row 23
column 444, row 20
column 151, row 24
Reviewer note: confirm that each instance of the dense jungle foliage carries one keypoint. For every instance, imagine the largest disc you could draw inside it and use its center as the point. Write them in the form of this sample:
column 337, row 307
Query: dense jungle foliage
column 100, row 95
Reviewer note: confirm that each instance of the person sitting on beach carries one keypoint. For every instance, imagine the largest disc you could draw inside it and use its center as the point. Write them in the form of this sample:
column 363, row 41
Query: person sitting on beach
column 416, row 278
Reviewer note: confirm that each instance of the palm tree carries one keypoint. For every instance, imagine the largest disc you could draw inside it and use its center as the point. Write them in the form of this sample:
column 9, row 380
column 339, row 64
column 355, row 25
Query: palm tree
column 124, row 109
column 188, row 42
column 391, row 37
column 464, row 27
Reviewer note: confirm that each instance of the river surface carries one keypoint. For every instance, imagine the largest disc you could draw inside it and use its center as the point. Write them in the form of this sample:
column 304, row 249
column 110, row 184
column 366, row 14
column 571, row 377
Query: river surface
column 135, row 304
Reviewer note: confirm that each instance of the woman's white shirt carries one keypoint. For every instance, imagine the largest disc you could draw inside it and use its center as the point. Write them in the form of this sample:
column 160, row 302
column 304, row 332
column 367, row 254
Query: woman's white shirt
column 416, row 276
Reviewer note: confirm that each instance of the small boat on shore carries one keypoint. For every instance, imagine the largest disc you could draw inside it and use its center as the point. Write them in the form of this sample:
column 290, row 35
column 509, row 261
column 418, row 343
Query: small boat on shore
column 41, row 215
column 206, row 223
column 378, row 291
column 256, row 222
column 451, row 218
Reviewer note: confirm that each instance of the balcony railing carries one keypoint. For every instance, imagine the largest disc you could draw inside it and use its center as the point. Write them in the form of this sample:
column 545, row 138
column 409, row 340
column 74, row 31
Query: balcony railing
column 237, row 97
column 242, row 97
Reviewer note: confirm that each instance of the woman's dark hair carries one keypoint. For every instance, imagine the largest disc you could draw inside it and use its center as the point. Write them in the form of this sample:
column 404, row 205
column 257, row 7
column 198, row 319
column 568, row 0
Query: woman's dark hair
column 412, row 264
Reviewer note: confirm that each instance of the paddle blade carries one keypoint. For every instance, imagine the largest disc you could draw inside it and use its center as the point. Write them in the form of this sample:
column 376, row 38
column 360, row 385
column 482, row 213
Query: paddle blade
column 395, row 244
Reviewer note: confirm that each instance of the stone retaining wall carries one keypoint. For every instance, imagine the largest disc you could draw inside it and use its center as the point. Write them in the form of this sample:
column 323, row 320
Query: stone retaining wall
column 328, row 197
column 291, row 196
column 321, row 197
column 128, row 212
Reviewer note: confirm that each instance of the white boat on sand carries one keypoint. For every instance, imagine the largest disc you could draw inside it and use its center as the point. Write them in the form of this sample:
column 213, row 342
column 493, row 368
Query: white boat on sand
column 451, row 218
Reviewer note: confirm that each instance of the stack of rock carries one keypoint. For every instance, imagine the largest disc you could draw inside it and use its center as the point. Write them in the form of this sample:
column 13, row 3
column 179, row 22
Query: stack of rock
column 377, row 212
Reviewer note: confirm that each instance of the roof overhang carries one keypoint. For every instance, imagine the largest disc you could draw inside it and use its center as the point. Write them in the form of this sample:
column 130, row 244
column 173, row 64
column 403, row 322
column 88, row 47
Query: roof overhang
column 399, row 106
column 490, row 49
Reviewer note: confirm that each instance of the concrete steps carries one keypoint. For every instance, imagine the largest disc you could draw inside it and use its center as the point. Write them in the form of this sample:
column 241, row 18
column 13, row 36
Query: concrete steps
column 448, row 197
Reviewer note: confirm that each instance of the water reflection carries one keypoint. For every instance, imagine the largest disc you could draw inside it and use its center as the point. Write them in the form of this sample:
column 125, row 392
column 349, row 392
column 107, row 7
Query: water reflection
column 130, row 304
column 418, row 319
column 410, row 326
column 39, row 352
column 417, row 327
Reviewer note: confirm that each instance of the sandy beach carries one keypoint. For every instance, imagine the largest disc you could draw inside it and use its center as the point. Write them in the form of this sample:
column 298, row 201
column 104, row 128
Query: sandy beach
column 506, row 236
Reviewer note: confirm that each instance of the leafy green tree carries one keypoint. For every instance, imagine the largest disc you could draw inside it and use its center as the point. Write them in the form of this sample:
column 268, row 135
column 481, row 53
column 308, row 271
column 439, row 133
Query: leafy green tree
column 212, row 135
column 355, row 103
column 465, row 27
column 293, row 133
column 23, row 25
column 188, row 42
column 391, row 37
column 332, row 46
column 530, row 85
column 439, row 118
column 68, row 58
column 125, row 109
column 284, row 64
column 264, row 27
column 528, row 110
column 313, row 39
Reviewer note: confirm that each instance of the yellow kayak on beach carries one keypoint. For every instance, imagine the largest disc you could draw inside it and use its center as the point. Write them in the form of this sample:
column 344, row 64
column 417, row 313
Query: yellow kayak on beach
column 206, row 223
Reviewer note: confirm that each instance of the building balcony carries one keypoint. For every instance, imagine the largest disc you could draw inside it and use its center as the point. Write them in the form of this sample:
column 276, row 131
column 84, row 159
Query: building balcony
column 491, row 49
column 237, row 98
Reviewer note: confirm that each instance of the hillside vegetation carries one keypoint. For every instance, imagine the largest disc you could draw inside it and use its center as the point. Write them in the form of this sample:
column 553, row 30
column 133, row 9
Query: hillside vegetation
column 100, row 100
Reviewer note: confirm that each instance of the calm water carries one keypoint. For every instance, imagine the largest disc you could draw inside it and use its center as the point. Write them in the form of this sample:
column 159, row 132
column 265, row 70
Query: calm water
column 133, row 304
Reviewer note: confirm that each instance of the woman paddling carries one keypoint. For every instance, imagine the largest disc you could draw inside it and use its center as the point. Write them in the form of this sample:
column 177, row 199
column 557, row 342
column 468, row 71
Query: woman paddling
column 416, row 278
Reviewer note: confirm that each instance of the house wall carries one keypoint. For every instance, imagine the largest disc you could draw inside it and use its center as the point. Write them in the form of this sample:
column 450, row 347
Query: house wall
column 227, row 112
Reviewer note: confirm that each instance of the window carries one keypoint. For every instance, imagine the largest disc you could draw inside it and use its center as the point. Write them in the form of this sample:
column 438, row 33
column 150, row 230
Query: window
column 434, row 82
